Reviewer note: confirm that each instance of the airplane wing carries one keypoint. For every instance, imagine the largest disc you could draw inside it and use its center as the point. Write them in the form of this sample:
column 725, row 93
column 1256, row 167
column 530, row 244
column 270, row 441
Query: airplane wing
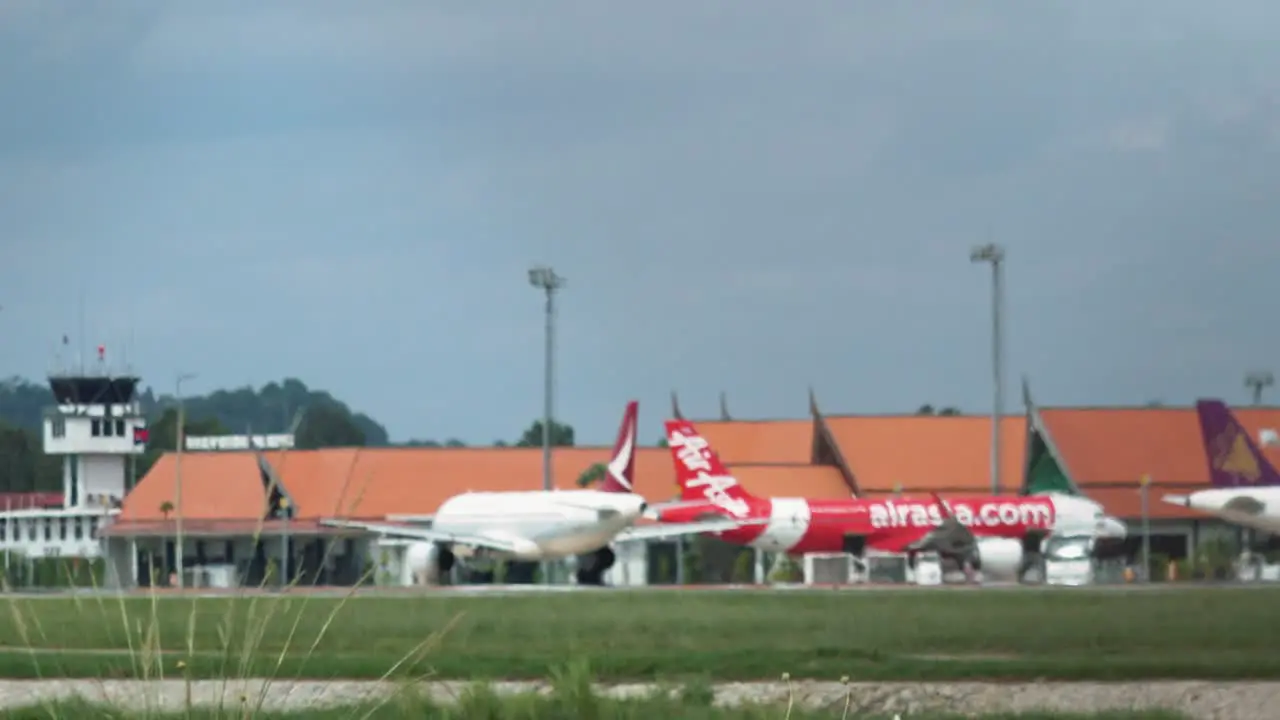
column 659, row 531
column 1240, row 506
column 427, row 535
column 654, row 511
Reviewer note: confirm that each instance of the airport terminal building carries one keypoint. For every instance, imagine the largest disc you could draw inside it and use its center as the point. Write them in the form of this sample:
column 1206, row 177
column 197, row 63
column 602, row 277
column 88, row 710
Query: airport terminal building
column 249, row 509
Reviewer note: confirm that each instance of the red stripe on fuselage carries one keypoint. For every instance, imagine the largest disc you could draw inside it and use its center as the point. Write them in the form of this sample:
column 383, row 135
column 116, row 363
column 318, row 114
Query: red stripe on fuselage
column 888, row 524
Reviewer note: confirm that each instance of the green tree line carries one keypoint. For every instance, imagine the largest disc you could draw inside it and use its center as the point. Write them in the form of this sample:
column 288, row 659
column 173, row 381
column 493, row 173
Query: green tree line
column 316, row 418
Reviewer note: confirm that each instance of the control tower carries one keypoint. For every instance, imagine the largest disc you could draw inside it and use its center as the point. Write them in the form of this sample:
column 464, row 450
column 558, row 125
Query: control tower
column 97, row 426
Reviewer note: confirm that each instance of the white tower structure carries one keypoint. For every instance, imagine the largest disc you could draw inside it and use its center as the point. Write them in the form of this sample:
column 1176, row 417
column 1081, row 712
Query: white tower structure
column 97, row 426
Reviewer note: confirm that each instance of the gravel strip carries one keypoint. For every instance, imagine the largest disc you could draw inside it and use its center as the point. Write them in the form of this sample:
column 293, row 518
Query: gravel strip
column 1202, row 700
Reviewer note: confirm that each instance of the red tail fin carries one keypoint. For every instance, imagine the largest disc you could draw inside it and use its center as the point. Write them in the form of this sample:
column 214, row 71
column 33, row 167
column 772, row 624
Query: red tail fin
column 622, row 468
column 700, row 473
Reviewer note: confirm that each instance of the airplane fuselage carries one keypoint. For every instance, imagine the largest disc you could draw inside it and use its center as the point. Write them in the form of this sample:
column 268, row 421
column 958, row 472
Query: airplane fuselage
column 1252, row 507
column 894, row 525
column 541, row 525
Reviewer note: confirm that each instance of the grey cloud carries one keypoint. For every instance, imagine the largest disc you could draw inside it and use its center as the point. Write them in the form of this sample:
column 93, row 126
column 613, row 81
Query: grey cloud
column 743, row 198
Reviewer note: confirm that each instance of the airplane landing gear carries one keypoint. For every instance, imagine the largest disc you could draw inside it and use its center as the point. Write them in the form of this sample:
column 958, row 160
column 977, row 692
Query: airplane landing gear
column 591, row 568
column 445, row 560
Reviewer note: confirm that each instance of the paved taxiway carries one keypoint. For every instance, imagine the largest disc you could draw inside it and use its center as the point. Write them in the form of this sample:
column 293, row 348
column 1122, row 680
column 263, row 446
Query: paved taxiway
column 518, row 590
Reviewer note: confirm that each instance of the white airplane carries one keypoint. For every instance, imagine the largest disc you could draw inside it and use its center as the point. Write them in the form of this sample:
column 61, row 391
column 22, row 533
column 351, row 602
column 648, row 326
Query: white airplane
column 1246, row 486
column 541, row 525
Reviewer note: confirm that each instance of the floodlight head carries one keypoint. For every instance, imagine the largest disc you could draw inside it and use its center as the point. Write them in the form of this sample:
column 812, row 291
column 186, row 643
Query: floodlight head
column 1259, row 378
column 990, row 252
column 545, row 278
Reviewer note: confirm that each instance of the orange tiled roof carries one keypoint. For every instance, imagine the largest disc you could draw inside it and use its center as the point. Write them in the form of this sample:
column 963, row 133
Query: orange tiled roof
column 376, row 482
column 214, row 485
column 809, row 481
column 924, row 452
column 1126, row 502
column 762, row 441
column 1119, row 445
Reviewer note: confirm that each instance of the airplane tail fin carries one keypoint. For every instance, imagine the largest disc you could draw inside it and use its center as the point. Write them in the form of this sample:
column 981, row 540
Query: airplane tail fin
column 1234, row 459
column 620, row 472
column 700, row 472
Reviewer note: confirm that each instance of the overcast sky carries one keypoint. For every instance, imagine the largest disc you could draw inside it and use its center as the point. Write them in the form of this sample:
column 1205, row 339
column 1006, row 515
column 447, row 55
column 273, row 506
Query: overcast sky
column 745, row 196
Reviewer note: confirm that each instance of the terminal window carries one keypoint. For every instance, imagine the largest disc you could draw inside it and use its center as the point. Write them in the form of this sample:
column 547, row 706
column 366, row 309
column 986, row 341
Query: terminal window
column 59, row 428
column 119, row 428
column 95, row 428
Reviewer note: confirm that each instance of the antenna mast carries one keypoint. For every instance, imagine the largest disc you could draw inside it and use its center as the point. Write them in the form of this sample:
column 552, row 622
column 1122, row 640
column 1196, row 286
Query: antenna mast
column 80, row 339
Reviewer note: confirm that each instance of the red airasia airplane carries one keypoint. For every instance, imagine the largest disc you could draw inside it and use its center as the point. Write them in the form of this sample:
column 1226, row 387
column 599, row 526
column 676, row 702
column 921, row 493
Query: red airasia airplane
column 992, row 533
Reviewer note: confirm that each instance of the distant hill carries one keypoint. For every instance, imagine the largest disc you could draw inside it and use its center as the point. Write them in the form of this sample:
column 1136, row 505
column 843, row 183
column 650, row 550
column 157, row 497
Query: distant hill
column 270, row 409
column 324, row 422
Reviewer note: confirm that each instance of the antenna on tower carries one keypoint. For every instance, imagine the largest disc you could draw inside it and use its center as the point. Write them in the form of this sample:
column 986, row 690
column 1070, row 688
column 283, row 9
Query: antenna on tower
column 80, row 339
column 60, row 356
column 133, row 318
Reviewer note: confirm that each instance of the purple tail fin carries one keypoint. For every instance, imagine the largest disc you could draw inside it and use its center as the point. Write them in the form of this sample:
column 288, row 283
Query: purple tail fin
column 1234, row 459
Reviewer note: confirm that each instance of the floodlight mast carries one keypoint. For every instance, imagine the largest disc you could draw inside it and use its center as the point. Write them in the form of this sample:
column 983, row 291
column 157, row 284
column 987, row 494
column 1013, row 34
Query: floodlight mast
column 994, row 254
column 1257, row 381
column 180, row 435
column 545, row 279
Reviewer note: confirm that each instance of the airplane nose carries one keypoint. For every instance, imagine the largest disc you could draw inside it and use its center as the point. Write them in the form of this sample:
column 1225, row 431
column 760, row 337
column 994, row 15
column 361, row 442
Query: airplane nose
column 1113, row 527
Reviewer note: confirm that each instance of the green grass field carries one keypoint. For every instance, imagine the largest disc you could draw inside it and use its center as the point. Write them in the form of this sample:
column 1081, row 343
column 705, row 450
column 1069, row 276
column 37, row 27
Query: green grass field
column 1203, row 633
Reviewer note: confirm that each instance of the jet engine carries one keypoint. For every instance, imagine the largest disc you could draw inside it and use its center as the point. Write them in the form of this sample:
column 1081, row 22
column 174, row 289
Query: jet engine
column 592, row 567
column 429, row 562
column 999, row 558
